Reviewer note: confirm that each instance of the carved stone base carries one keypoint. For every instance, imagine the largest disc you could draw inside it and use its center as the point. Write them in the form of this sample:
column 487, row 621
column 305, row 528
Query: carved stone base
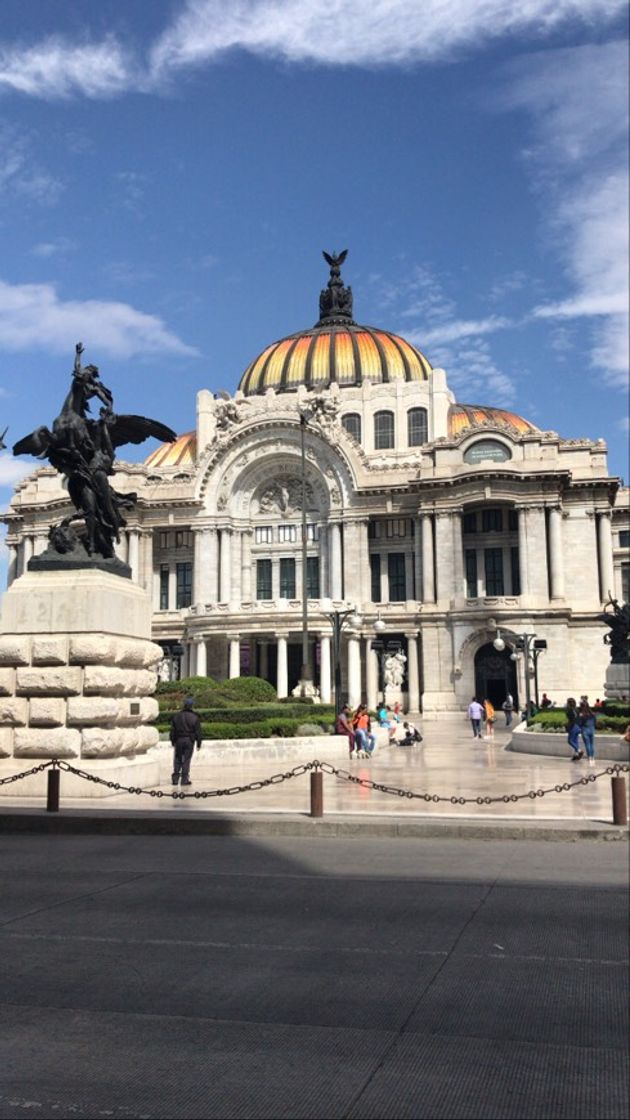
column 77, row 559
column 617, row 686
column 306, row 690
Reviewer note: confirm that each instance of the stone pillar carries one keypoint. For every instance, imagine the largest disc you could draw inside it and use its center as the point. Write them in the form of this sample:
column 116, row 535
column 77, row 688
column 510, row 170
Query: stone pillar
column 364, row 564
column 201, row 659
column 147, row 560
column 26, row 552
column 605, row 555
column 234, row 669
column 40, row 544
column 459, row 586
column 12, row 568
column 522, row 550
column 202, row 565
column 324, row 669
column 556, row 559
column 428, row 581
column 236, row 559
column 323, row 562
column 263, row 659
column 334, row 553
column 225, row 579
column 282, row 686
column 246, row 565
column 172, row 587
column 185, row 666
column 413, row 679
column 371, row 674
column 408, row 575
column 121, row 547
column 417, row 557
column 134, row 554
column 354, row 671
column 352, row 566
column 534, row 538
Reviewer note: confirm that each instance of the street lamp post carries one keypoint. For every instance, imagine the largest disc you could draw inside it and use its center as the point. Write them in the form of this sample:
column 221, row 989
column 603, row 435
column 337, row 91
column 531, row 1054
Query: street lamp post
column 306, row 677
column 531, row 648
column 337, row 621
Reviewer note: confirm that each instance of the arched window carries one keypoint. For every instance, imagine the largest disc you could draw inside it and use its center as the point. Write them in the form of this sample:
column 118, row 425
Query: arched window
column 417, row 427
column 383, row 430
column 352, row 423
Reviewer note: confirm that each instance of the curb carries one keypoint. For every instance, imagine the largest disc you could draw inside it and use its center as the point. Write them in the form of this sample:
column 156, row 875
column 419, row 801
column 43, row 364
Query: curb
column 132, row 823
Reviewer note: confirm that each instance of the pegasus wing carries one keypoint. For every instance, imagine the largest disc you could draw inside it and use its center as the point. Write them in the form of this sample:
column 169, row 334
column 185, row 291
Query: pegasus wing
column 37, row 443
column 135, row 429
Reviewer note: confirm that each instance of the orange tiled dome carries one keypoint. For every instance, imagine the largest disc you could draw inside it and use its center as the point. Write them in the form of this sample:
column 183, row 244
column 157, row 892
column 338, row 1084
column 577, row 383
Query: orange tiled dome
column 181, row 453
column 461, row 417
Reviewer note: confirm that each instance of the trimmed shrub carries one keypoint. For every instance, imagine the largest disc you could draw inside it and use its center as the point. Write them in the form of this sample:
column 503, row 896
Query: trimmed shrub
column 556, row 720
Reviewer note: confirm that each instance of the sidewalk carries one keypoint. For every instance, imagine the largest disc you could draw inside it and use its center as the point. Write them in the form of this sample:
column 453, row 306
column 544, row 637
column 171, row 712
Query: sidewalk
column 449, row 763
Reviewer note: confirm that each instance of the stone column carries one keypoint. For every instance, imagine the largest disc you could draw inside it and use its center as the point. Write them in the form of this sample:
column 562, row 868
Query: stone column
column 185, row 667
column 201, row 659
column 408, row 575
column 428, row 581
column 413, row 680
column 236, row 559
column 235, row 657
column 417, row 557
column 459, row 586
column 121, row 547
column 40, row 544
column 225, row 580
column 26, row 552
column 147, row 560
column 134, row 554
column 323, row 562
column 354, row 671
column 334, row 552
column 556, row 559
column 371, row 674
column 605, row 554
column 213, row 565
column 172, row 587
column 246, row 565
column 202, row 589
column 282, row 686
column 13, row 563
column 324, row 669
column 534, row 538
column 263, row 659
column 351, row 563
column 364, row 563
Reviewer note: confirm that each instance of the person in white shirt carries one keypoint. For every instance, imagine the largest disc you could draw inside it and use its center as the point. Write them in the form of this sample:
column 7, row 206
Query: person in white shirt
column 475, row 715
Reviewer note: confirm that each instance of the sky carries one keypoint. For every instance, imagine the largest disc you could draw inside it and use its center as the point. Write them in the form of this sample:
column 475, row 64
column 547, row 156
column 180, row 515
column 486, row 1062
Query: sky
column 171, row 170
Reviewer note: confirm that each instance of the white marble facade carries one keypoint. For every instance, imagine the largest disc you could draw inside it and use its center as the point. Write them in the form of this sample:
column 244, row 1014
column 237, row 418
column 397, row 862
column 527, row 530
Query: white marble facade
column 487, row 525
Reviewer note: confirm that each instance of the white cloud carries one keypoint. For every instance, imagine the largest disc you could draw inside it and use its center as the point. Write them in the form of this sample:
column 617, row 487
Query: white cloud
column 325, row 32
column 20, row 172
column 464, row 328
column 473, row 375
column 12, row 470
column 59, row 247
column 33, row 316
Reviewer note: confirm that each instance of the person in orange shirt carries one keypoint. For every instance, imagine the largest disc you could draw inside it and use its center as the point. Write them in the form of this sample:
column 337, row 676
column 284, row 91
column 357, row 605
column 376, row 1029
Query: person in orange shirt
column 365, row 740
column 490, row 716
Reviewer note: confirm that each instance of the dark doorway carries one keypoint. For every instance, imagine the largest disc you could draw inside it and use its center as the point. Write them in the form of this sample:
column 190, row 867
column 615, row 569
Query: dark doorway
column 495, row 675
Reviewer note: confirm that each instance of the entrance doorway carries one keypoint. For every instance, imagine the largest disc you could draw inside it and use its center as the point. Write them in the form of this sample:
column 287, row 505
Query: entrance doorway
column 495, row 675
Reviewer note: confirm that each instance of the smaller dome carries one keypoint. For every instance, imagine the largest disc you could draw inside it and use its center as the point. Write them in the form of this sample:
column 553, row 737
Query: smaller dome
column 462, row 417
column 181, row 453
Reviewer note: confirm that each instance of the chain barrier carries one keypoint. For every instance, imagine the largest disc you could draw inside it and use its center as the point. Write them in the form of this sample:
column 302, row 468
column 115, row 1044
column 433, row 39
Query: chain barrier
column 327, row 768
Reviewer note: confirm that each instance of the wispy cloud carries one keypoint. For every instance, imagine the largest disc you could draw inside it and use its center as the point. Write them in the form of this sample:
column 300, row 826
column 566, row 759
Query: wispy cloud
column 579, row 157
column 21, row 174
column 324, row 32
column 12, row 470
column 465, row 328
column 57, row 248
column 33, row 316
column 473, row 374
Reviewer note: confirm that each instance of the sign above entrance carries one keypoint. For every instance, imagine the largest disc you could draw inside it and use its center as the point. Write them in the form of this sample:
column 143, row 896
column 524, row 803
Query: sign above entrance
column 487, row 449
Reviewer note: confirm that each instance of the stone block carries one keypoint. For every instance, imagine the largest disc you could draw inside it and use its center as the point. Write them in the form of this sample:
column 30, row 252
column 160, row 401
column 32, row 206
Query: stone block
column 92, row 649
column 46, row 742
column 15, row 649
column 138, row 654
column 61, row 602
column 7, row 682
column 6, row 742
column 92, row 711
column 131, row 742
column 49, row 682
column 105, row 680
column 49, row 650
column 101, row 742
column 149, row 709
column 147, row 737
column 47, row 711
column 13, row 711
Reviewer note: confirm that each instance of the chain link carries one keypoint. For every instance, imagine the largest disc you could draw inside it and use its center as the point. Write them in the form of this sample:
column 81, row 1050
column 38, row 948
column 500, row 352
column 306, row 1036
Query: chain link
column 326, row 768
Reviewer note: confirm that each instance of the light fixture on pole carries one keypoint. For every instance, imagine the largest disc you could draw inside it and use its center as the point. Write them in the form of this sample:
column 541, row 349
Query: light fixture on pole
column 338, row 619
column 498, row 643
column 379, row 624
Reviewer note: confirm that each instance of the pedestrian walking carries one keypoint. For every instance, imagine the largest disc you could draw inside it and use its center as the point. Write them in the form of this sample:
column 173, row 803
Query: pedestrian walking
column 573, row 729
column 343, row 726
column 489, row 716
column 508, row 708
column 185, row 732
column 587, row 722
column 475, row 715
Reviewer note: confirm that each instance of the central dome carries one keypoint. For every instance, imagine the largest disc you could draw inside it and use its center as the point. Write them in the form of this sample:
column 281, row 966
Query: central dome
column 336, row 349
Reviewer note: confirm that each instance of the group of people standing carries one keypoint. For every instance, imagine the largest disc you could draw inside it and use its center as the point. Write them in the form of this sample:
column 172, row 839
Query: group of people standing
column 581, row 724
column 485, row 713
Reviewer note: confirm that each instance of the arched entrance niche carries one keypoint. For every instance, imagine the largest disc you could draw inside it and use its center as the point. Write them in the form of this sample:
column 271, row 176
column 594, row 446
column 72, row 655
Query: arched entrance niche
column 495, row 675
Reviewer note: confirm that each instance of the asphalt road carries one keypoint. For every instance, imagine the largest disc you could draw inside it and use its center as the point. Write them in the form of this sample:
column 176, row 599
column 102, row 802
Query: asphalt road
column 199, row 976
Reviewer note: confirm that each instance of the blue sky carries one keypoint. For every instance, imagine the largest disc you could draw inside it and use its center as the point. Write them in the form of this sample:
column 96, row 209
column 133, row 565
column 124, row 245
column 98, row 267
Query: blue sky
column 171, row 171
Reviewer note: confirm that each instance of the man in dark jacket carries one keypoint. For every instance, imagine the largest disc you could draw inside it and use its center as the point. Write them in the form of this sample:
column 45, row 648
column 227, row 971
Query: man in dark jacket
column 185, row 732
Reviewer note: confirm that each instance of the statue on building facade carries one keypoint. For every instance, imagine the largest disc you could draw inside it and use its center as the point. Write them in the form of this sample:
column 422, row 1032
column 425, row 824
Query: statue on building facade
column 618, row 619
column 335, row 300
column 394, row 669
column 83, row 450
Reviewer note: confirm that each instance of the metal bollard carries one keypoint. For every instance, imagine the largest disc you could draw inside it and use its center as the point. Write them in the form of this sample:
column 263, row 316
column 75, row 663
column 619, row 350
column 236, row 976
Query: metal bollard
column 317, row 793
column 52, row 795
column 620, row 805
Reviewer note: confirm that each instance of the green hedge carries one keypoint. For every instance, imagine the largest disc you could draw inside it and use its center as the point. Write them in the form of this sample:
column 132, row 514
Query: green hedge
column 556, row 720
column 253, row 715
column 208, row 693
column 260, row 729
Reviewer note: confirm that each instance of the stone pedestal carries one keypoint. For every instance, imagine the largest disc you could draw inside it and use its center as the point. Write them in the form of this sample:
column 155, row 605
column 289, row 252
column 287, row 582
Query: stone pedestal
column 617, row 686
column 77, row 668
column 393, row 695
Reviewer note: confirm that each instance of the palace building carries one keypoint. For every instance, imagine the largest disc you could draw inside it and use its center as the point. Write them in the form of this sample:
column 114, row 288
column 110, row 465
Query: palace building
column 432, row 528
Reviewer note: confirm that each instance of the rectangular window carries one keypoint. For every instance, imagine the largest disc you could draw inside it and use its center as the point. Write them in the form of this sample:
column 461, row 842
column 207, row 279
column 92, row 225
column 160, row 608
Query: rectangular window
column 383, row 430
column 396, row 577
column 513, row 520
column 417, row 427
column 396, row 527
column 263, row 579
column 516, row 571
column 163, row 539
column 263, row 534
column 374, row 530
column 287, row 577
column 493, row 560
column 375, row 577
column 471, row 573
column 312, row 577
column 624, row 538
column 183, row 538
column 312, row 532
column 184, row 585
column 286, row 533
column 164, row 587
column 492, row 520
column 625, row 582
column 469, row 522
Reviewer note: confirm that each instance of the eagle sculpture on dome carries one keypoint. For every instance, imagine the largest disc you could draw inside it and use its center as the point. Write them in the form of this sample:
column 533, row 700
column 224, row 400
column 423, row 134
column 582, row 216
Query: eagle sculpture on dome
column 335, row 260
column 335, row 301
